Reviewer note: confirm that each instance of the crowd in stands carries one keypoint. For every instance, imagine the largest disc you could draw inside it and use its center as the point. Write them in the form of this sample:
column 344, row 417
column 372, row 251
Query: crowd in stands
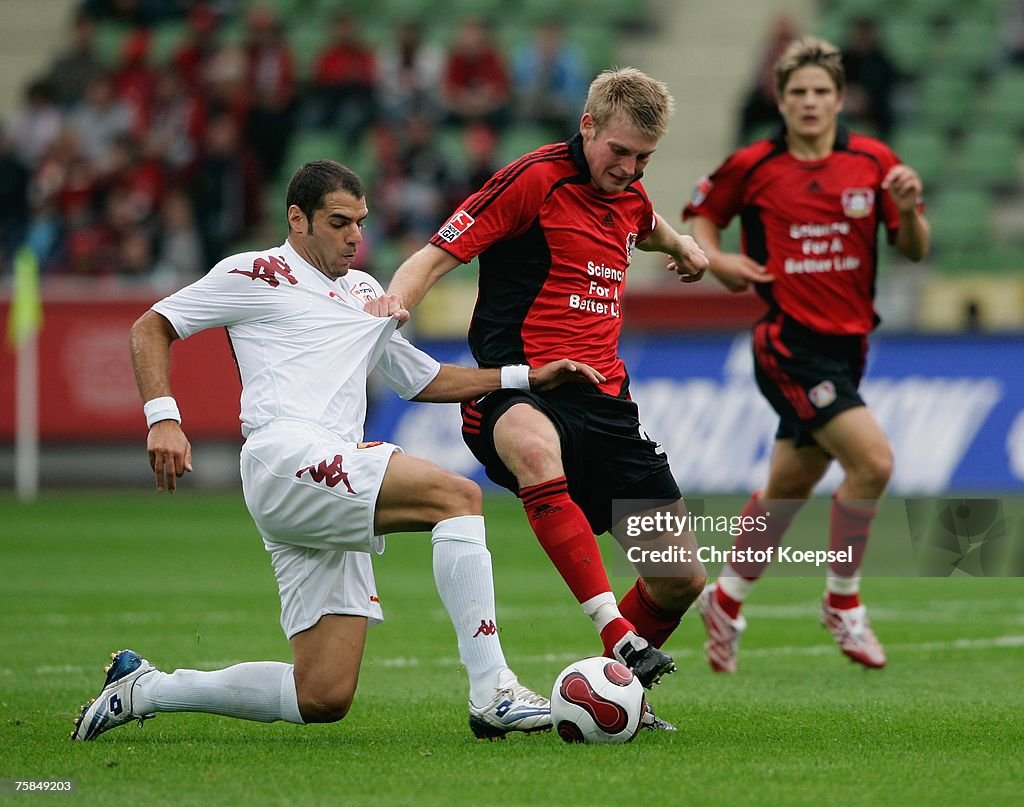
column 146, row 166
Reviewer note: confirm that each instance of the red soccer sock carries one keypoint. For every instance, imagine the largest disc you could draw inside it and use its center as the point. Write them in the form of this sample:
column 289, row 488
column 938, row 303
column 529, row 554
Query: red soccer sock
column 727, row 603
column 612, row 633
column 843, row 601
column 565, row 534
column 849, row 528
column 651, row 620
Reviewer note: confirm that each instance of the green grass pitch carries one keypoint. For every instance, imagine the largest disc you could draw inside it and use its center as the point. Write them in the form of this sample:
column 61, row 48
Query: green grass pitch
column 184, row 580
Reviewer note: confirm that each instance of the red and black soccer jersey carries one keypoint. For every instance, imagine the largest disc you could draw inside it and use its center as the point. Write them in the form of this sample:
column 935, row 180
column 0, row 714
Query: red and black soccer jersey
column 814, row 225
column 553, row 254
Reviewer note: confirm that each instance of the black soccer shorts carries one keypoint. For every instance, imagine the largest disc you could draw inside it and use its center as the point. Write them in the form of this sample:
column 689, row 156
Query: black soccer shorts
column 605, row 452
column 807, row 377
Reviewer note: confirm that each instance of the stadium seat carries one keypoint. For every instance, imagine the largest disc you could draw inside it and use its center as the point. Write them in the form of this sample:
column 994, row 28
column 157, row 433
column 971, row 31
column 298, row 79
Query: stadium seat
column 909, row 41
column 1004, row 103
column 972, row 46
column 961, row 222
column 988, row 159
column 925, row 150
column 944, row 100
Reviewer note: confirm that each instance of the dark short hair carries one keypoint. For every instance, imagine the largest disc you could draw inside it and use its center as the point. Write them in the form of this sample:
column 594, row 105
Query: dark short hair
column 313, row 181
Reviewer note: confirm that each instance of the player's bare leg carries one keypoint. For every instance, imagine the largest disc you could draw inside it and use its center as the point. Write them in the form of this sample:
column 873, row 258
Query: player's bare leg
column 793, row 473
column 861, row 447
column 327, row 661
column 530, row 447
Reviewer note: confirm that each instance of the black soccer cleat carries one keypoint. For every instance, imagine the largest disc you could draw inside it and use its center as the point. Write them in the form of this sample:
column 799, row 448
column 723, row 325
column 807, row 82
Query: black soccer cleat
column 647, row 662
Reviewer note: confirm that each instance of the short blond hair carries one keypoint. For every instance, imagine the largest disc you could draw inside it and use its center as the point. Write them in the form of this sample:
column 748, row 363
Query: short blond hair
column 627, row 92
column 810, row 50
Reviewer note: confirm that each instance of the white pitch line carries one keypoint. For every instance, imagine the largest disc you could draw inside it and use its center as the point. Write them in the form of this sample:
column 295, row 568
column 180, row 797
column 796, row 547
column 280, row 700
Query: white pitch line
column 1012, row 642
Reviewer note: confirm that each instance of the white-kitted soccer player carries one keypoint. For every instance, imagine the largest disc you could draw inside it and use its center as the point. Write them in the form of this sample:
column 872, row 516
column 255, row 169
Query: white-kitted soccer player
column 321, row 497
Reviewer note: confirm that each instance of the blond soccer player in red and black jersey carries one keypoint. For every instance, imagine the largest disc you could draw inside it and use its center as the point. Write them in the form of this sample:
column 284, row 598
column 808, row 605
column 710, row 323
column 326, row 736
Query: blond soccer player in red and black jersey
column 554, row 232
column 811, row 201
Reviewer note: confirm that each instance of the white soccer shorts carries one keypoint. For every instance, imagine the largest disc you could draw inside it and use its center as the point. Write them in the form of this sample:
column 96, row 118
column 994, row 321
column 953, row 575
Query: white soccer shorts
column 312, row 497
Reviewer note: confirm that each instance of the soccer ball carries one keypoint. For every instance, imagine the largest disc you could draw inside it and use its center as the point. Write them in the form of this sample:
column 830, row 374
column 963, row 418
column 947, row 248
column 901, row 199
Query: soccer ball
column 597, row 700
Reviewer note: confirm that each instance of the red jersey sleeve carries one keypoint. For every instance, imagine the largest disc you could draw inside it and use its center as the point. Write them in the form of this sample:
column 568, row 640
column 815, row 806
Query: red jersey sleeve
column 719, row 197
column 502, row 209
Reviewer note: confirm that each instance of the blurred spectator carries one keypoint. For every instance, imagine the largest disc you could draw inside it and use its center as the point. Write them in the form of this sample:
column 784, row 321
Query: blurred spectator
column 410, row 75
column 220, row 188
column 75, row 67
column 37, row 125
column 176, row 127
column 130, row 12
column 1013, row 32
column 135, row 79
column 193, row 57
column 551, row 81
column 344, row 82
column 180, row 258
column 271, row 83
column 14, row 177
column 135, row 258
column 100, row 119
column 227, row 86
column 476, row 85
column 870, row 78
column 481, row 146
column 760, row 108
column 139, row 176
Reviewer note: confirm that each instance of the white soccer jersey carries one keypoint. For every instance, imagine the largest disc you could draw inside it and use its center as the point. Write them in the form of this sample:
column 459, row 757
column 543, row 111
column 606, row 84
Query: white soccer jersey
column 303, row 343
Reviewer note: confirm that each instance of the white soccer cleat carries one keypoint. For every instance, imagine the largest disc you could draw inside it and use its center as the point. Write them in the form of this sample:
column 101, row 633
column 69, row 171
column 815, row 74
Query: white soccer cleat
column 723, row 631
column 852, row 632
column 514, row 708
column 113, row 706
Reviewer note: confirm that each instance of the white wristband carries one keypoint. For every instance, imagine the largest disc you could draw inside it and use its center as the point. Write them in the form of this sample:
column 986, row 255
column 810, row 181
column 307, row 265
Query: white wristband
column 515, row 376
column 165, row 408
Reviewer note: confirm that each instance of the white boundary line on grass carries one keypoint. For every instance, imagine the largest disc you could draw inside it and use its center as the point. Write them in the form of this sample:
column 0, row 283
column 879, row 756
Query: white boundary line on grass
column 400, row 662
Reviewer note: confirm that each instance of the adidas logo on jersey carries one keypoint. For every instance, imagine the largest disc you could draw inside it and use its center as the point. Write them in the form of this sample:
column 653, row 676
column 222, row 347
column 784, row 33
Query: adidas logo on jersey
column 608, row 221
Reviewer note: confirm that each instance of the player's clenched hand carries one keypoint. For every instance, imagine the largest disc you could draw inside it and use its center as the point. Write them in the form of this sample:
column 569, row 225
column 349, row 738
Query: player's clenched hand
column 563, row 371
column 736, row 272
column 688, row 260
column 170, row 453
column 390, row 305
column 904, row 186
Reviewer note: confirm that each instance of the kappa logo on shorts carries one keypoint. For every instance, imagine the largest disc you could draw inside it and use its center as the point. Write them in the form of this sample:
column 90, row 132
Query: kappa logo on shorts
column 329, row 473
column 486, row 628
column 823, row 394
column 456, row 226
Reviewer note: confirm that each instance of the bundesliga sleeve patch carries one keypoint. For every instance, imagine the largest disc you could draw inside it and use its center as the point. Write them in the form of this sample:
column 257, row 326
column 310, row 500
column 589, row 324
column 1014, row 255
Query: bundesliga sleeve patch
column 701, row 191
column 456, row 226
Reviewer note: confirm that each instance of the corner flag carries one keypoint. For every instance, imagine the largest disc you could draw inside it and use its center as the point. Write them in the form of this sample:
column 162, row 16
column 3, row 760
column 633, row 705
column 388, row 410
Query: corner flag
column 26, row 313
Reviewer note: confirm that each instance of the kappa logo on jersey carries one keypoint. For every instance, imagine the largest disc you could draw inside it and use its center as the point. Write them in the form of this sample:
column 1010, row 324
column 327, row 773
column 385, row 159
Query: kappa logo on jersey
column 456, row 226
column 701, row 191
column 858, row 202
column 267, row 270
column 823, row 394
column 364, row 291
column 630, row 246
column 330, row 473
column 370, row 444
column 486, row 628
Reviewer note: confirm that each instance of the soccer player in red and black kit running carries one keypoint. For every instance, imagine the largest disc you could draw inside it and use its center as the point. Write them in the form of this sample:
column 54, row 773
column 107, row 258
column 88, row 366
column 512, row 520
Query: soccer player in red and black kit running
column 554, row 232
column 811, row 201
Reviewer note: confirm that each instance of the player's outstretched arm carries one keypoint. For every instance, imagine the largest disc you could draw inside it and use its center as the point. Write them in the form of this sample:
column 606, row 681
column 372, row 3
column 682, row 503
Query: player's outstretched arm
column 412, row 281
column 454, row 383
column 170, row 453
column 686, row 258
column 734, row 271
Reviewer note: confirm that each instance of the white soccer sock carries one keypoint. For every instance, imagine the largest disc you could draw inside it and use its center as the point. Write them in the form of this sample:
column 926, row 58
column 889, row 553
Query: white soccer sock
column 462, row 573
column 835, row 584
column 255, row 690
column 602, row 610
column 732, row 584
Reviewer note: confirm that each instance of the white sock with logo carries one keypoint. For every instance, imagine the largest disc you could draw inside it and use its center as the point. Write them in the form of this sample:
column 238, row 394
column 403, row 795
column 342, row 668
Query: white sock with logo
column 462, row 573
column 255, row 690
